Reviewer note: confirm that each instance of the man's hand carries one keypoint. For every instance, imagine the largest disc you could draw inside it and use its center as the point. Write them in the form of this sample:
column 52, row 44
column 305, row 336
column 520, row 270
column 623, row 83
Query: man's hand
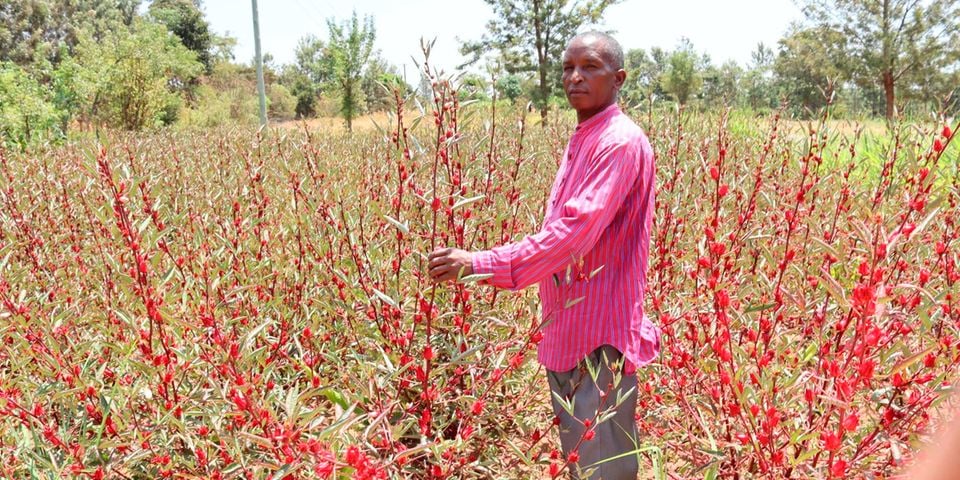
column 447, row 263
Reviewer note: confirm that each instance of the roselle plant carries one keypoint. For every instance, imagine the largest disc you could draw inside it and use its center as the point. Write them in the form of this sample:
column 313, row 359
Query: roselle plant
column 234, row 304
column 810, row 322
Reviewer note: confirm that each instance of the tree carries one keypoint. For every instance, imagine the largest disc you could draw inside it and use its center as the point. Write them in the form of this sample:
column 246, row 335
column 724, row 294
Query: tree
column 721, row 85
column 379, row 82
column 37, row 28
column 130, row 79
column 307, row 77
column 25, row 109
column 510, row 86
column 682, row 77
column 221, row 48
column 757, row 84
column 313, row 59
column 643, row 76
column 350, row 46
column 472, row 86
column 530, row 35
column 811, row 66
column 185, row 19
column 890, row 41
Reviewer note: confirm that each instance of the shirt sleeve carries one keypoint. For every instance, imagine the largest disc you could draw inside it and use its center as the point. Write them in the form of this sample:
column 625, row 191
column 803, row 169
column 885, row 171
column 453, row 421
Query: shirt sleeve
column 575, row 231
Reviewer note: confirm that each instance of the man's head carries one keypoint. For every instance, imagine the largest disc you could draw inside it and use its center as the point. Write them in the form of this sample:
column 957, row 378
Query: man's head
column 592, row 72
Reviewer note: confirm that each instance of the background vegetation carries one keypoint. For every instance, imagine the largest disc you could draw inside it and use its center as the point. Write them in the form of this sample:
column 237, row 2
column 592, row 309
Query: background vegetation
column 84, row 64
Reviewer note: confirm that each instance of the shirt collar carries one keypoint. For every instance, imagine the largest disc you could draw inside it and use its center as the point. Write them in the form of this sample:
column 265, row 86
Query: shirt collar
column 598, row 118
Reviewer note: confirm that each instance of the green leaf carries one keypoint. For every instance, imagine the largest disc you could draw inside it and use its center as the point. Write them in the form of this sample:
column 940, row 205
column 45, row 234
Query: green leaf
column 906, row 362
column 647, row 448
column 292, row 403
column 573, row 302
column 566, row 405
column 467, row 201
column 519, row 453
column 385, row 298
column 596, row 271
column 476, row 277
column 759, row 307
column 252, row 334
column 403, row 227
column 336, row 397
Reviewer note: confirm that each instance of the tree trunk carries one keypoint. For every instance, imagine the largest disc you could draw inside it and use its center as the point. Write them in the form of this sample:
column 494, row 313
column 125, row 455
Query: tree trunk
column 889, row 59
column 544, row 94
column 889, row 94
column 541, row 62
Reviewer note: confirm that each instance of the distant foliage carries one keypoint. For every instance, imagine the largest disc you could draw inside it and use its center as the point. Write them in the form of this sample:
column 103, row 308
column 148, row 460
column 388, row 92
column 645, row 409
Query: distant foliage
column 682, row 78
column 306, row 78
column 26, row 111
column 530, row 36
column 812, row 64
column 902, row 47
column 350, row 46
column 281, row 104
column 31, row 30
column 509, row 86
column 225, row 97
column 185, row 20
column 130, row 78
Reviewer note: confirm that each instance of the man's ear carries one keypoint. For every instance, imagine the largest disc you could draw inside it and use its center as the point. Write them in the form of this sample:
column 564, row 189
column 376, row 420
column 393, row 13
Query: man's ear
column 620, row 77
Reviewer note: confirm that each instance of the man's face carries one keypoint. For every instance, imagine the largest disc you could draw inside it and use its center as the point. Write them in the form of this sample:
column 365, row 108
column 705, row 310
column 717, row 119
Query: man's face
column 590, row 79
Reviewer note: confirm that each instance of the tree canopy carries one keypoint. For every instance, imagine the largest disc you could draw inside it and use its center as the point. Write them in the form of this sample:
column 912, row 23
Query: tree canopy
column 530, row 36
column 36, row 29
column 350, row 46
column 185, row 20
column 892, row 43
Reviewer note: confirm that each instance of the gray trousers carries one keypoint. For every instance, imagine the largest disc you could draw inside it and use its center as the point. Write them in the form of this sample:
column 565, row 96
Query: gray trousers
column 616, row 435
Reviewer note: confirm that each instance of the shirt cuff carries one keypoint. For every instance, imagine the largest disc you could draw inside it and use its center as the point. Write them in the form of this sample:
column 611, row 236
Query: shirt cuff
column 482, row 262
column 488, row 262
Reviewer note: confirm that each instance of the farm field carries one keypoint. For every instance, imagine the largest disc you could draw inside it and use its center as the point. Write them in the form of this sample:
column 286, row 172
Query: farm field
column 234, row 304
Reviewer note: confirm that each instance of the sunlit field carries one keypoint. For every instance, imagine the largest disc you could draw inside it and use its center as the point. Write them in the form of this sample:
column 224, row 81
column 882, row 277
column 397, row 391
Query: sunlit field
column 234, row 304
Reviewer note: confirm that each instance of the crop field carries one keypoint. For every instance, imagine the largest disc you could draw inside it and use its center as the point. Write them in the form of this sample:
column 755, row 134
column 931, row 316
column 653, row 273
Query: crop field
column 234, row 304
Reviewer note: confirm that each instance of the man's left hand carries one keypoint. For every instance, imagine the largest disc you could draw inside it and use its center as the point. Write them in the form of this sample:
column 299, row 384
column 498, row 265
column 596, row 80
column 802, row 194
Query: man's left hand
column 447, row 263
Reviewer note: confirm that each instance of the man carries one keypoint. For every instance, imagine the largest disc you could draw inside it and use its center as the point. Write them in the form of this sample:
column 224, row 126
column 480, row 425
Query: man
column 597, row 223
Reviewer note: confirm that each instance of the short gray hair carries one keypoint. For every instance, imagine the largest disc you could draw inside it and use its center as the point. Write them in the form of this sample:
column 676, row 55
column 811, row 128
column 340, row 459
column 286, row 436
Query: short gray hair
column 611, row 46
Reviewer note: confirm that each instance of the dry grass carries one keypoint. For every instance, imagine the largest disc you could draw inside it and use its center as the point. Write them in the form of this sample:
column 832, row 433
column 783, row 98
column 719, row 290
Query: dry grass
column 363, row 123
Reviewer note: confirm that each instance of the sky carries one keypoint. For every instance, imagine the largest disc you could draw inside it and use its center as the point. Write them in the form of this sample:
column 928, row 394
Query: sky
column 724, row 29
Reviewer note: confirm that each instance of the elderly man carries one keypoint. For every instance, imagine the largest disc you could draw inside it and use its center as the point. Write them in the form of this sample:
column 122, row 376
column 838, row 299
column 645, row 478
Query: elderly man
column 597, row 224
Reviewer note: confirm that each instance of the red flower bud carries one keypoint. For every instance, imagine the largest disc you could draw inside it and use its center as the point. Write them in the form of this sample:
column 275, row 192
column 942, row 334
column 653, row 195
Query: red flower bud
column 850, row 422
column 838, row 469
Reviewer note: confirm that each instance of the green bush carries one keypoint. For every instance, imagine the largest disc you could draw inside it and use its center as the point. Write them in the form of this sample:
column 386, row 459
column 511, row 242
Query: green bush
column 128, row 79
column 215, row 107
column 281, row 104
column 510, row 87
column 26, row 112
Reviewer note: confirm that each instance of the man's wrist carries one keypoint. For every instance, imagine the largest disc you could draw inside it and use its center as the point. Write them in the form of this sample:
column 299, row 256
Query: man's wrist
column 481, row 262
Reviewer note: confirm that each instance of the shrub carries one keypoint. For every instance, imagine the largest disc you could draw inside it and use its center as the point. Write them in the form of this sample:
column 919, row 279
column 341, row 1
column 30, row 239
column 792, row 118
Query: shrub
column 129, row 77
column 26, row 112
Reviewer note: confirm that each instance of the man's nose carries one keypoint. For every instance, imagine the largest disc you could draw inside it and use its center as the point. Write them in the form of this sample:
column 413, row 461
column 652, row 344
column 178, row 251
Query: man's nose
column 575, row 75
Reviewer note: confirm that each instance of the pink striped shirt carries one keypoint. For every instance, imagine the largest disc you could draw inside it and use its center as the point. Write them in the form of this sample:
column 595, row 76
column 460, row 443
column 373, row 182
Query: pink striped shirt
column 597, row 222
